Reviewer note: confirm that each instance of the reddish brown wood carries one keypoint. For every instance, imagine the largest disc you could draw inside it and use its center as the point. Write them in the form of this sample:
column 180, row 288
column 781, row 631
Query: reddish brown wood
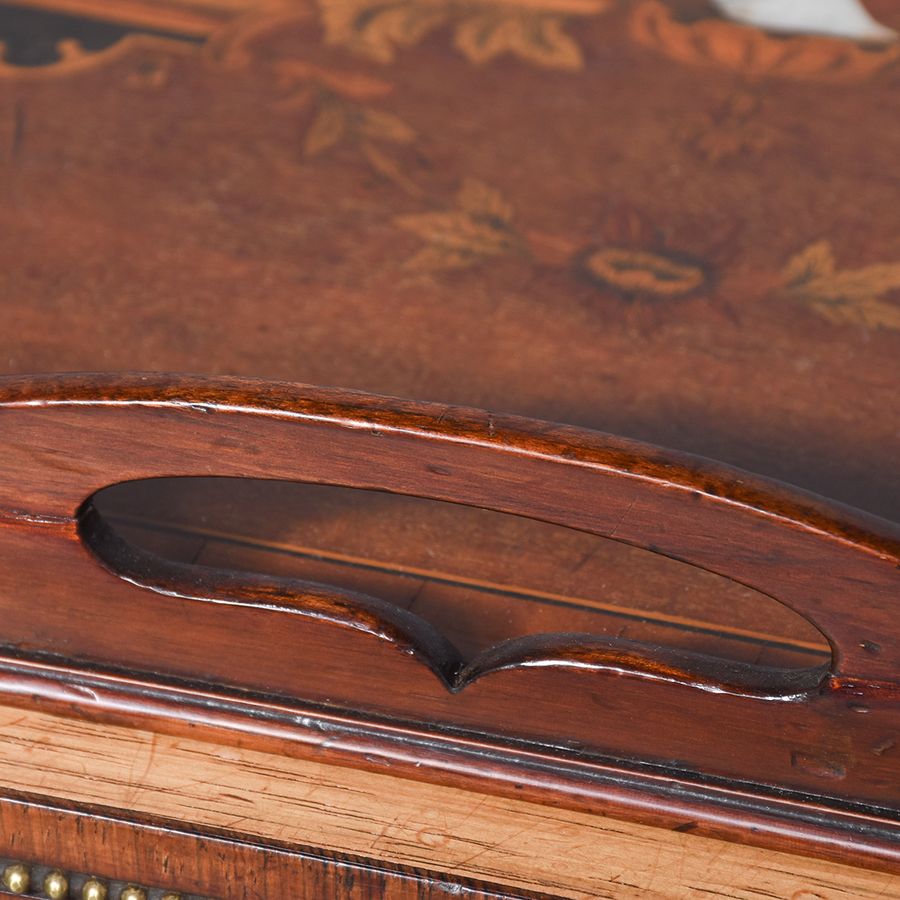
column 807, row 730
column 137, row 241
column 166, row 207
column 155, row 853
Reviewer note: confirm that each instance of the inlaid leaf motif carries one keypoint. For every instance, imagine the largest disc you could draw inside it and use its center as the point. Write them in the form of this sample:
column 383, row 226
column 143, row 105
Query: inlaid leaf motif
column 844, row 296
column 459, row 231
column 350, row 85
column 480, row 226
column 376, row 28
column 337, row 120
column 815, row 261
column 477, row 198
column 384, row 126
column 326, row 129
column 437, row 257
column 538, row 38
column 388, row 167
column 482, row 29
column 872, row 313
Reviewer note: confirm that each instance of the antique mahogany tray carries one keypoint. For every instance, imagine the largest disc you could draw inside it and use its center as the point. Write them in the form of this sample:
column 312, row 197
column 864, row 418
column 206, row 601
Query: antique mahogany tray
column 262, row 637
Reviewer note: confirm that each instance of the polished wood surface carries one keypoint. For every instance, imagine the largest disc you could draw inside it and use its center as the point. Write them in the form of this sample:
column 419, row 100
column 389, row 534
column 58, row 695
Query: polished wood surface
column 644, row 218
column 162, row 212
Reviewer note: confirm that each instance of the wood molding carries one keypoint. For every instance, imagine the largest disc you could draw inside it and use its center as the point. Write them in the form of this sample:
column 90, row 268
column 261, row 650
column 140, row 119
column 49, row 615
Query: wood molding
column 662, row 799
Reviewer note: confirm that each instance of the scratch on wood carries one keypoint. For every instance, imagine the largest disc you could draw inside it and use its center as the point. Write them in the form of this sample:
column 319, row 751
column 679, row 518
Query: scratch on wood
column 622, row 519
column 20, row 516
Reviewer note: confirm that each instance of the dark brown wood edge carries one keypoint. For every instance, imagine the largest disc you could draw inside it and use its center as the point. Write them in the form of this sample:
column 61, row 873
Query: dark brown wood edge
column 210, row 862
column 744, row 813
column 676, row 470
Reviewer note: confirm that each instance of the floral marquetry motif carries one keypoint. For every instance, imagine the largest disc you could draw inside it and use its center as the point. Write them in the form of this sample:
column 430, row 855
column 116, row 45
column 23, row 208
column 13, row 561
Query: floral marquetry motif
column 482, row 29
column 491, row 171
column 754, row 53
column 855, row 296
column 480, row 226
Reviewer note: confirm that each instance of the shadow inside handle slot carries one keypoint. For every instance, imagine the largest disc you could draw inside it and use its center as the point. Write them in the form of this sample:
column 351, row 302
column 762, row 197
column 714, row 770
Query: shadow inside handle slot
column 500, row 589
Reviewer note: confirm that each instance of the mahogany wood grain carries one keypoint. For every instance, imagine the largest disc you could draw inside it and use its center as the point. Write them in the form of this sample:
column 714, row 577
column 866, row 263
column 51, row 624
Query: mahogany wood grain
column 157, row 853
column 161, row 214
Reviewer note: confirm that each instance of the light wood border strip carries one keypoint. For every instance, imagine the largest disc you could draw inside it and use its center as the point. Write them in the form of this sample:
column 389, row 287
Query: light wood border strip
column 302, row 802
column 197, row 18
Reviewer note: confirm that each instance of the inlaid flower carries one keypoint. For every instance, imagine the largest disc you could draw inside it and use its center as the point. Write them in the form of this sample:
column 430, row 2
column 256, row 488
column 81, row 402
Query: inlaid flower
column 732, row 129
column 635, row 261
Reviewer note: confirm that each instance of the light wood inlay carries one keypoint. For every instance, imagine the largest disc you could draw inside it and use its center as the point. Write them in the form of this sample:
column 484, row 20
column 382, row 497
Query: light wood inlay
column 190, row 17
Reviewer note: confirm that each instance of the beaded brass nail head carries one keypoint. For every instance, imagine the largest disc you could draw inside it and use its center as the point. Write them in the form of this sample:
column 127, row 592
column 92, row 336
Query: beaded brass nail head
column 93, row 889
column 56, row 885
column 16, row 878
column 133, row 893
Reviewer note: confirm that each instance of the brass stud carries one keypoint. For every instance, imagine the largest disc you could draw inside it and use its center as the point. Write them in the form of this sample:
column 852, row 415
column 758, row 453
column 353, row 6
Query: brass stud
column 16, row 878
column 170, row 896
column 93, row 889
column 56, row 885
column 133, row 893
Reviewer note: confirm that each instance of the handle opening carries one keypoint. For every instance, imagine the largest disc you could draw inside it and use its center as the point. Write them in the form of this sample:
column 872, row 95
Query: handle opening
column 479, row 578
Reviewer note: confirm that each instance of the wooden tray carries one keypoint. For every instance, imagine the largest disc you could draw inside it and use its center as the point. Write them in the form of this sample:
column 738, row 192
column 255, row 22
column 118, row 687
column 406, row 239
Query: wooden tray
column 639, row 219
